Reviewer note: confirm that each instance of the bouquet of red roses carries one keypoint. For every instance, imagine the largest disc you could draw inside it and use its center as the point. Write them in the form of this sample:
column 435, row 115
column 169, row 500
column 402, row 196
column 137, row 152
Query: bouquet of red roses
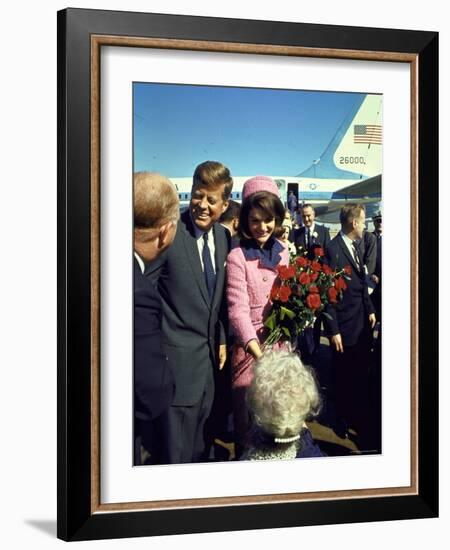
column 300, row 292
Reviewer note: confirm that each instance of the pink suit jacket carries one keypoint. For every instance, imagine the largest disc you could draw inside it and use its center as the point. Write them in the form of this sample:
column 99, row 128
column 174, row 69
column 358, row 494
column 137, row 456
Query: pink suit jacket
column 248, row 294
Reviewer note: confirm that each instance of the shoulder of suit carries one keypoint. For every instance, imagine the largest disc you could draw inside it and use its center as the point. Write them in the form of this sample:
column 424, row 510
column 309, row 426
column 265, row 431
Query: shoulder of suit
column 335, row 240
column 298, row 231
column 235, row 253
column 321, row 227
column 184, row 228
column 370, row 236
column 185, row 219
column 219, row 229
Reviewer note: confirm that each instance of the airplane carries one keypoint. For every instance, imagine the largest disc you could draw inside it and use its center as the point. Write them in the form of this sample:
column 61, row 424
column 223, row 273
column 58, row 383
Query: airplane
column 349, row 170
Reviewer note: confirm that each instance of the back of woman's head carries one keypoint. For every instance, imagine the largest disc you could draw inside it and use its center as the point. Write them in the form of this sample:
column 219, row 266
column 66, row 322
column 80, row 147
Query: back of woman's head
column 283, row 394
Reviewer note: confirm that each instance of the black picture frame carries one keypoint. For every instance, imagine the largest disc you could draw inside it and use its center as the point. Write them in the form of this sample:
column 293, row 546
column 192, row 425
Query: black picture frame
column 79, row 517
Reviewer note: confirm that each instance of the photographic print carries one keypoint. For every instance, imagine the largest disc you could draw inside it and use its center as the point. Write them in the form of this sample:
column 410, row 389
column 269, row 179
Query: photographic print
column 296, row 283
column 223, row 190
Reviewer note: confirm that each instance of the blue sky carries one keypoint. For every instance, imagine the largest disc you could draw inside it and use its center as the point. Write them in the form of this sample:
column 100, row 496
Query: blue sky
column 252, row 131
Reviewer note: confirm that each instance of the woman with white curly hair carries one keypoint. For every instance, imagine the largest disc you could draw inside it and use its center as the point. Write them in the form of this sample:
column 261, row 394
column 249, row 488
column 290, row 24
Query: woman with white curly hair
column 282, row 395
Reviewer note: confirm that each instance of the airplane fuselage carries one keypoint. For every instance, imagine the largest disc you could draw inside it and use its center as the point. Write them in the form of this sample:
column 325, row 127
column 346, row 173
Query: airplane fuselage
column 315, row 191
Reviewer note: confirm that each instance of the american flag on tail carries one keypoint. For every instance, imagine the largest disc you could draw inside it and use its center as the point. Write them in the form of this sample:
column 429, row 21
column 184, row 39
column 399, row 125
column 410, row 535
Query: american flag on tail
column 367, row 133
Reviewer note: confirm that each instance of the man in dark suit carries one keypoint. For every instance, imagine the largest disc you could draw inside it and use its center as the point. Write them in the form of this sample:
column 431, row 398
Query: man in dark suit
column 230, row 221
column 156, row 212
column 311, row 234
column 348, row 326
column 307, row 237
column 191, row 277
column 376, row 276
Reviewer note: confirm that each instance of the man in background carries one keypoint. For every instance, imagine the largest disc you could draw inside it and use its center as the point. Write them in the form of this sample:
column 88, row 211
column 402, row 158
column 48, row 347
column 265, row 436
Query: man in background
column 311, row 234
column 376, row 276
column 156, row 213
column 349, row 325
column 292, row 203
column 230, row 221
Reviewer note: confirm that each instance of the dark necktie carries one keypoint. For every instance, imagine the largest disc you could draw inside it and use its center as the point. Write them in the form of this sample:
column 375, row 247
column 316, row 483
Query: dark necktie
column 210, row 276
column 356, row 255
column 308, row 237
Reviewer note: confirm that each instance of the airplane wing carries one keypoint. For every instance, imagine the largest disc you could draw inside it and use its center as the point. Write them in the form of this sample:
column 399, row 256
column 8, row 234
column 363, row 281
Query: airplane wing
column 367, row 188
column 367, row 192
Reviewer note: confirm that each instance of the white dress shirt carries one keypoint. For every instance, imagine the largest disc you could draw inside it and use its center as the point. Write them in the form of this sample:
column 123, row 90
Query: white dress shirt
column 140, row 262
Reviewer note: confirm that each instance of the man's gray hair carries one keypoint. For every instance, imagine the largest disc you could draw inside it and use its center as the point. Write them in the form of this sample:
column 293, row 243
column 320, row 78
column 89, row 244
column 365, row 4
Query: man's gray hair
column 283, row 393
column 155, row 200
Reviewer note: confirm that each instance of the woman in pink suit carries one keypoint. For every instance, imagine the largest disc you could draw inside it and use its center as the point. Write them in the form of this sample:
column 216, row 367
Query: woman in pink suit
column 251, row 271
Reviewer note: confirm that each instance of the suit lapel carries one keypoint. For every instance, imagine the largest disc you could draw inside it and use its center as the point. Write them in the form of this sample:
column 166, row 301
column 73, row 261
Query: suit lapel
column 319, row 232
column 303, row 237
column 219, row 257
column 191, row 247
column 347, row 253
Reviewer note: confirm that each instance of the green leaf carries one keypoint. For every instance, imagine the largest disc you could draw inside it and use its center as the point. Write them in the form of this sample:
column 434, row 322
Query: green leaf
column 287, row 312
column 327, row 315
column 286, row 331
column 270, row 322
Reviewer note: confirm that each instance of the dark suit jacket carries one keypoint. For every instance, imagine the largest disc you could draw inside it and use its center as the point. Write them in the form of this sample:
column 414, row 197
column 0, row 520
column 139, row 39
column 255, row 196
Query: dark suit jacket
column 379, row 255
column 322, row 239
column 349, row 317
column 232, row 241
column 368, row 249
column 153, row 380
column 192, row 324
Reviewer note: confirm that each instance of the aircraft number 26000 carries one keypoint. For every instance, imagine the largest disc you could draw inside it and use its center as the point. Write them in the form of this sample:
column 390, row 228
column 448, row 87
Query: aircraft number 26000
column 352, row 160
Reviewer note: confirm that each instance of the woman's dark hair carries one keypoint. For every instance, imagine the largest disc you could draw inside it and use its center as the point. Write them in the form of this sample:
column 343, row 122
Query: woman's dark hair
column 269, row 204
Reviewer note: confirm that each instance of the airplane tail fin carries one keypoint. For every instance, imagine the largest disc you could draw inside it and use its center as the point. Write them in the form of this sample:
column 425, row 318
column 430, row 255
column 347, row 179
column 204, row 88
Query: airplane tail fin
column 355, row 150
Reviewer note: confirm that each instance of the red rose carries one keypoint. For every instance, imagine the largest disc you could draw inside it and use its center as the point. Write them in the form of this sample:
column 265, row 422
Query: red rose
column 313, row 289
column 348, row 270
column 313, row 277
column 290, row 272
column 284, row 293
column 285, row 272
column 318, row 251
column 340, row 284
column 304, row 278
column 301, row 261
column 327, row 269
column 313, row 301
column 315, row 266
column 332, row 294
column 274, row 292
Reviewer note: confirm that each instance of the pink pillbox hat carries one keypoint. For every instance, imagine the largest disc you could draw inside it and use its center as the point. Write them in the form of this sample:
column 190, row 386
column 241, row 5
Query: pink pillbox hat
column 257, row 184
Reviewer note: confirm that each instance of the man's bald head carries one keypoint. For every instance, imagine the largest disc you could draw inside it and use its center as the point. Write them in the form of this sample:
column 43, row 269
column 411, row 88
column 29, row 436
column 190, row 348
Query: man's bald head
column 156, row 212
column 155, row 200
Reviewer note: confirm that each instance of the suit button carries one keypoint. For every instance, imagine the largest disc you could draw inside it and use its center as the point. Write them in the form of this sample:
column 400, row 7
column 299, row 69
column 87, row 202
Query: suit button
column 265, row 278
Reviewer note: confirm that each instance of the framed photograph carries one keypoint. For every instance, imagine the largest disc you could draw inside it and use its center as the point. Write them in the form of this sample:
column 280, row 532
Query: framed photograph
column 140, row 92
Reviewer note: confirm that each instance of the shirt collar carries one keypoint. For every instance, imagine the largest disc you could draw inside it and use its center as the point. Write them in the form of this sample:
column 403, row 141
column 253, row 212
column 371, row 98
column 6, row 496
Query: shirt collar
column 311, row 229
column 349, row 242
column 140, row 262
